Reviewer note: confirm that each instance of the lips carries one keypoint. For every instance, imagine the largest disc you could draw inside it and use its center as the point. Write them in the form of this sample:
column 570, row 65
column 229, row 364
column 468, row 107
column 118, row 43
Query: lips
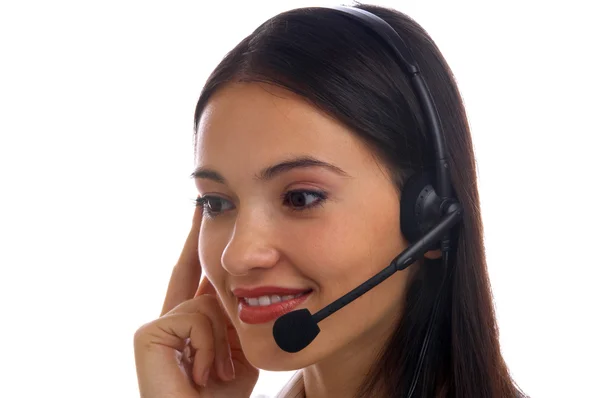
column 251, row 312
column 267, row 291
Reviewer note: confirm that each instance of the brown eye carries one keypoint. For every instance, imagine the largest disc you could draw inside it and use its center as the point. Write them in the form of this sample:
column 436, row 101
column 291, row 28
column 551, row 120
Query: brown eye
column 301, row 200
column 214, row 205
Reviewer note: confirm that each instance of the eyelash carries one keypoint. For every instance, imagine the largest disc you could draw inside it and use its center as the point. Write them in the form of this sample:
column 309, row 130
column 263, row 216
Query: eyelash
column 320, row 196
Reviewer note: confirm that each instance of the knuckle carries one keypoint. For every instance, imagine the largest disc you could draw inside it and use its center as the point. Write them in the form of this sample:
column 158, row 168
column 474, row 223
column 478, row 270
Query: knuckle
column 200, row 322
column 141, row 335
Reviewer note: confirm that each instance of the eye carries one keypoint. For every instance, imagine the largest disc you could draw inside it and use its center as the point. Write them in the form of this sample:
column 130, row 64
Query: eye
column 214, row 205
column 303, row 200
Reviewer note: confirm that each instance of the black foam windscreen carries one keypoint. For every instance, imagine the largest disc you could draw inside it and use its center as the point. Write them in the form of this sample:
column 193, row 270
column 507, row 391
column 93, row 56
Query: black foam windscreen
column 295, row 330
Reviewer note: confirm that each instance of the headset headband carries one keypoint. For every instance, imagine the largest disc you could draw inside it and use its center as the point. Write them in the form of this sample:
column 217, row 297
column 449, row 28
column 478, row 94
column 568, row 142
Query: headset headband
column 396, row 44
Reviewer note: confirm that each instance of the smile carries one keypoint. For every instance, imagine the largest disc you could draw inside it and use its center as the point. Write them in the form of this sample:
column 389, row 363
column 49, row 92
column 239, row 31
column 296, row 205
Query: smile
column 267, row 308
column 264, row 301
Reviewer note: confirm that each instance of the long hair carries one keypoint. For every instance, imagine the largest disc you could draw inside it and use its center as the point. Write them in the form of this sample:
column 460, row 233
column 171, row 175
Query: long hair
column 340, row 68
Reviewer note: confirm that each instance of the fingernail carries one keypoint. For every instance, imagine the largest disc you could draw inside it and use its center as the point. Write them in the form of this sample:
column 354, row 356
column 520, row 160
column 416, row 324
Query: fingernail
column 229, row 370
column 204, row 379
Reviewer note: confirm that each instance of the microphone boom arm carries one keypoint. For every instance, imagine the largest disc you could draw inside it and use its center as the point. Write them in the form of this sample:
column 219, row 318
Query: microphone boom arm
column 403, row 260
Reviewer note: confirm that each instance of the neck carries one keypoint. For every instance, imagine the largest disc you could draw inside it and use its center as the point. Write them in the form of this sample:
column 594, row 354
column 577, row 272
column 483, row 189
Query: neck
column 342, row 373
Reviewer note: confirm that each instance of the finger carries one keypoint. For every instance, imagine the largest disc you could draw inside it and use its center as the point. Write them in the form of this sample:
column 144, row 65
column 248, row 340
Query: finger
column 186, row 273
column 172, row 332
column 235, row 346
column 209, row 306
column 206, row 288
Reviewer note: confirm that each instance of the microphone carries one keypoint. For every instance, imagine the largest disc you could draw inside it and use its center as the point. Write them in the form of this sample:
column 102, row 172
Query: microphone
column 295, row 330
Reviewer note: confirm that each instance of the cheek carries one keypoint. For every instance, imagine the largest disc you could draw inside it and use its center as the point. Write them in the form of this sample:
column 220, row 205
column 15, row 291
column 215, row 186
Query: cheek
column 349, row 246
column 211, row 244
column 320, row 251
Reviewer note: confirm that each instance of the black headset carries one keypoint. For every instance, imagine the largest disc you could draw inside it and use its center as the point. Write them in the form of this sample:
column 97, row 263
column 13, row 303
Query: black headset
column 423, row 201
column 428, row 209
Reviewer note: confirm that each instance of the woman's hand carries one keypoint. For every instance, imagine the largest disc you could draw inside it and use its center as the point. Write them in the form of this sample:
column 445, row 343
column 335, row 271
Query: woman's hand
column 192, row 350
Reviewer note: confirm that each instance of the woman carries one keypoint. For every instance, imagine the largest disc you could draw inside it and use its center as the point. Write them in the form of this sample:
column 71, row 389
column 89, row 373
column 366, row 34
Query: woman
column 306, row 133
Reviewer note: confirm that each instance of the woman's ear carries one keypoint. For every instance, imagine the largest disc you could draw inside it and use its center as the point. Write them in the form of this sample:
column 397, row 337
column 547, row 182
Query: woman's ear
column 433, row 254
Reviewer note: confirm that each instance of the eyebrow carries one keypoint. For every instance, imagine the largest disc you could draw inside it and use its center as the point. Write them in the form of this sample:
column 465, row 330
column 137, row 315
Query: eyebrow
column 268, row 173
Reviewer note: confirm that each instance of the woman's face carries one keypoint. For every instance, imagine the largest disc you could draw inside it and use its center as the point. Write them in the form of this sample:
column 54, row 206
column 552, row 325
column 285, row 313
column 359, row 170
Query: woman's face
column 295, row 201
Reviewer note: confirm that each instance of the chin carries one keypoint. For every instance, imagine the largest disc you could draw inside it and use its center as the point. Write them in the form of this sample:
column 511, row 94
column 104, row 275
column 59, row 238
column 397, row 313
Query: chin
column 278, row 364
column 263, row 353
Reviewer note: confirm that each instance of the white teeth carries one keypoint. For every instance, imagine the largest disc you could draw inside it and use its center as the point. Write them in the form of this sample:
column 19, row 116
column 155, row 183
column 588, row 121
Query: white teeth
column 264, row 300
column 268, row 300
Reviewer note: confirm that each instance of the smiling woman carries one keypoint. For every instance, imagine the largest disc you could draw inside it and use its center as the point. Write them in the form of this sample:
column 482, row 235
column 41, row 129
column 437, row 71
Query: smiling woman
column 306, row 135
column 306, row 229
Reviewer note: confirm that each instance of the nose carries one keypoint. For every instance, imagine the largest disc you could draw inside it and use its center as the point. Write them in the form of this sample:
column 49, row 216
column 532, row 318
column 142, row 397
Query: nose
column 251, row 245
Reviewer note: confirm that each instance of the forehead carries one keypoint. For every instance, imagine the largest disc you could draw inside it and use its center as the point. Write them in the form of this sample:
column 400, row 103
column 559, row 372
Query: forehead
column 257, row 120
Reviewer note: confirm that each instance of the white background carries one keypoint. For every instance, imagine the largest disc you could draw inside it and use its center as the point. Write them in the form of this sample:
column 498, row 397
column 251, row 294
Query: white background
column 96, row 114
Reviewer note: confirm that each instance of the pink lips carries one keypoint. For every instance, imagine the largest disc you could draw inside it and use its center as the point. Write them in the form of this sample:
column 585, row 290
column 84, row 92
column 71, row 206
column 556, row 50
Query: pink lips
column 262, row 314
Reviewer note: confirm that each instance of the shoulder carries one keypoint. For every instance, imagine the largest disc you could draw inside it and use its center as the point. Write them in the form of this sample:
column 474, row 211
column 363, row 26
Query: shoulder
column 293, row 388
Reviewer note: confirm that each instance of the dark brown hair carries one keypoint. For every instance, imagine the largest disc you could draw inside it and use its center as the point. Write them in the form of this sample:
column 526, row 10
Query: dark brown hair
column 343, row 70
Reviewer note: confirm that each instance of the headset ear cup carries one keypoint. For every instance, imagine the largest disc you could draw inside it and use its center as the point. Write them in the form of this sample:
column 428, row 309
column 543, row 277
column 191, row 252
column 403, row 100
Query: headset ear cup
column 411, row 205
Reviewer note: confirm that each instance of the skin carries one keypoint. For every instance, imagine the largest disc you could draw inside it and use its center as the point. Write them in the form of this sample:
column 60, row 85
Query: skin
column 193, row 335
column 256, row 239
column 250, row 233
